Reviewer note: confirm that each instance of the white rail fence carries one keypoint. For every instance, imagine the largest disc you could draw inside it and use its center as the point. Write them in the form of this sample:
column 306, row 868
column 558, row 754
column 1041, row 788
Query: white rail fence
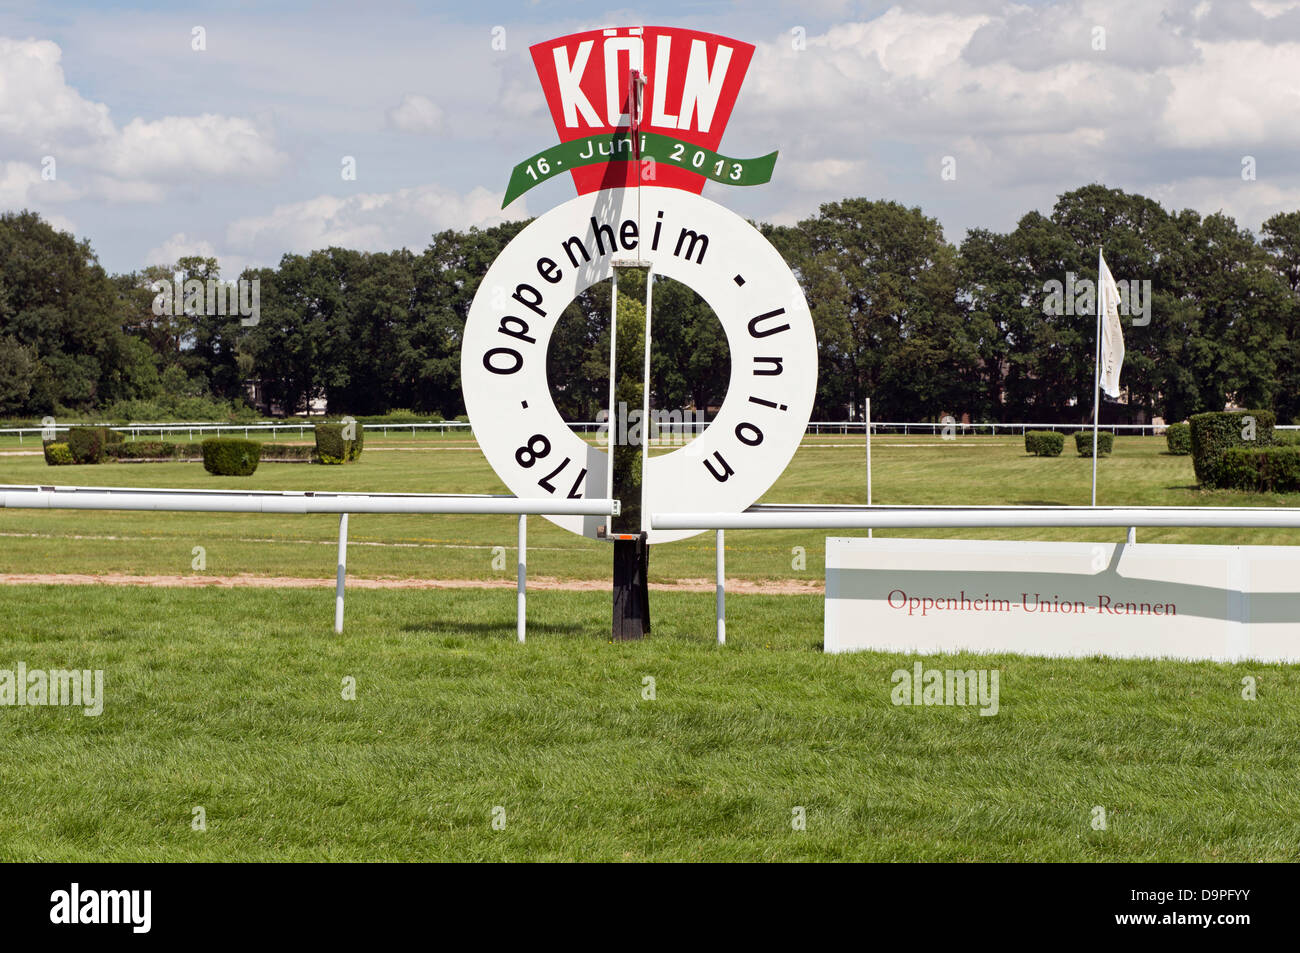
column 678, row 428
column 851, row 517
column 307, row 501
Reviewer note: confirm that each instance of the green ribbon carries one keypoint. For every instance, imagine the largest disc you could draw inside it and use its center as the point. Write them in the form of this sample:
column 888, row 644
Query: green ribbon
column 673, row 152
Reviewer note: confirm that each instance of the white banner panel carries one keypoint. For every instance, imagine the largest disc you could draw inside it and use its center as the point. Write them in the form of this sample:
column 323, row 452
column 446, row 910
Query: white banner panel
column 1222, row 603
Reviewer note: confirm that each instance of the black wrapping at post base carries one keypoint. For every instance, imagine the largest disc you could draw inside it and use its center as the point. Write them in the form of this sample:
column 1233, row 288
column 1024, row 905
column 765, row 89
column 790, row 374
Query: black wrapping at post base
column 631, row 588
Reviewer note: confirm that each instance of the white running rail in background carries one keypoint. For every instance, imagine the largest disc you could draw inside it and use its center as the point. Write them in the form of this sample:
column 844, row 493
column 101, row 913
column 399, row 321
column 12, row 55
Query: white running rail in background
column 306, row 501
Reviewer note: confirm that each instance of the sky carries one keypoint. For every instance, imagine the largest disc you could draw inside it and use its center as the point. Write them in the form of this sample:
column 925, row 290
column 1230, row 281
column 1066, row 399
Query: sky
column 115, row 127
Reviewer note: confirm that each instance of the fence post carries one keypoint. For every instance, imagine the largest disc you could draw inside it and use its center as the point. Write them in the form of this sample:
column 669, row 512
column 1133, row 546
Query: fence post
column 722, row 590
column 342, row 572
column 521, row 623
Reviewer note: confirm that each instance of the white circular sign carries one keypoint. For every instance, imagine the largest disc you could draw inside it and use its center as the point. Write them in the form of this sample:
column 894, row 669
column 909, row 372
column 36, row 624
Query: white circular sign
column 710, row 249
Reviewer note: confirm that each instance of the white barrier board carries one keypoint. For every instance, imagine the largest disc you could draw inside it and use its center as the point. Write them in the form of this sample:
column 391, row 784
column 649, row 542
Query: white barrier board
column 1222, row 603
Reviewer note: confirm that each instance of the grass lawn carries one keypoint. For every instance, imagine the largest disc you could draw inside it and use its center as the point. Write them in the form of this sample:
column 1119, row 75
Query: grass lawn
column 230, row 699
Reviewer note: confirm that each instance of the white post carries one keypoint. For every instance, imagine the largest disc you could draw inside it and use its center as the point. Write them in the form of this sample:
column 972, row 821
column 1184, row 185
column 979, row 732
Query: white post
column 867, row 427
column 1096, row 385
column 342, row 572
column 722, row 590
column 645, row 387
column 522, row 621
column 1132, row 535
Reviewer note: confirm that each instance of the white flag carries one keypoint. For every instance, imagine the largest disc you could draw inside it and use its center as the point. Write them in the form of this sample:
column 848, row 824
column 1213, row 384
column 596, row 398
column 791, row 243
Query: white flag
column 1112, row 332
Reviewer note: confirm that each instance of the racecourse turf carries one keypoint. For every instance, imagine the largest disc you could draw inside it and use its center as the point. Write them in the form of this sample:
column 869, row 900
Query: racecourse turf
column 462, row 744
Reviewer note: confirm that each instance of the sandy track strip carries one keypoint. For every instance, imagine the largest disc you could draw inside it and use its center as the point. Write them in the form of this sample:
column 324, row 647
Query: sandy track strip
column 781, row 587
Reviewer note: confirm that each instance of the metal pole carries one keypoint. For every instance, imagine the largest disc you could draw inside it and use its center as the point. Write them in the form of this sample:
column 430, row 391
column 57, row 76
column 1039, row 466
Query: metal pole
column 612, row 421
column 521, row 612
column 342, row 573
column 1132, row 535
column 722, row 590
column 1096, row 386
column 868, row 429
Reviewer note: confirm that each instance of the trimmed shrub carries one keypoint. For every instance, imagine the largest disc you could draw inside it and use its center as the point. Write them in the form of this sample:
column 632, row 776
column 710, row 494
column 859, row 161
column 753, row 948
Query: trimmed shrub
column 189, row 451
column 1044, row 443
column 87, row 444
column 58, row 454
column 230, row 456
column 113, row 436
column 1083, row 442
column 331, row 448
column 1178, row 437
column 355, row 446
column 287, row 453
column 1261, row 469
column 1214, row 434
column 1286, row 438
column 142, row 450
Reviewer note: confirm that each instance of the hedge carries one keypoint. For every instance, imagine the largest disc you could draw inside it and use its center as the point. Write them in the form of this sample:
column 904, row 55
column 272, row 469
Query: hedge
column 87, row 444
column 1214, row 434
column 1178, row 437
column 230, row 456
column 287, row 452
column 1260, row 469
column 1044, row 443
column 142, row 450
column 58, row 454
column 1286, row 438
column 113, row 436
column 1083, row 442
column 331, row 448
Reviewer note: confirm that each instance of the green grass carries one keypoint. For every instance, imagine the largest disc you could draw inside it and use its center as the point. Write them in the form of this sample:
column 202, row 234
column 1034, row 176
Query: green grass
column 231, row 700
column 911, row 469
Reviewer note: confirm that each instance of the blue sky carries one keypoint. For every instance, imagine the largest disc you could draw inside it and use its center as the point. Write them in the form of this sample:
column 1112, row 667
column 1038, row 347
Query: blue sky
column 161, row 150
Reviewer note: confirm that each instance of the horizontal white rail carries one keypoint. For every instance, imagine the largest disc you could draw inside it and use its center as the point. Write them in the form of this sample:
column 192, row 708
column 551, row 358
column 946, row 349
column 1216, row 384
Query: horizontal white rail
column 815, row 427
column 290, row 501
column 793, row 516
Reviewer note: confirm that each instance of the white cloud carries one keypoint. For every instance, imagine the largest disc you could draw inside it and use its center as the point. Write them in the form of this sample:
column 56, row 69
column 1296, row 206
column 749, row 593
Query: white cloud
column 368, row 221
column 40, row 113
column 417, row 114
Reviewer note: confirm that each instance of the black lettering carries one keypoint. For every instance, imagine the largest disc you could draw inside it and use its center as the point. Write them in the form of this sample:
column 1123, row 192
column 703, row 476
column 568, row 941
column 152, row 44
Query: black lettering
column 549, row 270
column 654, row 243
column 776, row 366
column 696, row 238
column 600, row 243
column 568, row 244
column 628, row 235
column 756, row 435
column 726, row 468
column 753, row 325
column 532, row 293
column 520, row 331
column 518, row 359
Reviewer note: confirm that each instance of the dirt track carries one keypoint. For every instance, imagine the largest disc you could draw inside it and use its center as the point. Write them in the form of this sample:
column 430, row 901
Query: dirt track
column 779, row 587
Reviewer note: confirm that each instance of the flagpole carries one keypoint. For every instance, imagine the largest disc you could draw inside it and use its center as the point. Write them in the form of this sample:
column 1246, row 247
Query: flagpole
column 1096, row 383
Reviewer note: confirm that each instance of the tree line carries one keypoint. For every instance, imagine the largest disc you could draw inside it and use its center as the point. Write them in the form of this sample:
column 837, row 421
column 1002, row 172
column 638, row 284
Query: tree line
column 903, row 316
